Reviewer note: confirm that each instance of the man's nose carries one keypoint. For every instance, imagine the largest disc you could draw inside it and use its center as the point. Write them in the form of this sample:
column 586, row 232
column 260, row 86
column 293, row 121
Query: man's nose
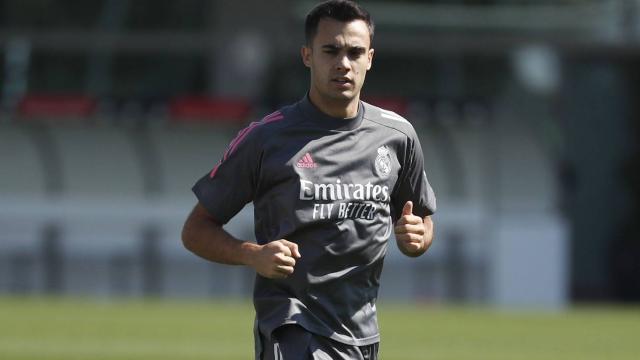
column 343, row 62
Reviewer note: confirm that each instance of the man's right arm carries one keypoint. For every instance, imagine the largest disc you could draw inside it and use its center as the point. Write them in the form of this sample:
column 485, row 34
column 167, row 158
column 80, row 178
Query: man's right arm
column 203, row 236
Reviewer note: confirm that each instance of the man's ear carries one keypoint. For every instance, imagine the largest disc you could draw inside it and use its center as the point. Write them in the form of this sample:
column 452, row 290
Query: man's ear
column 305, row 53
column 370, row 56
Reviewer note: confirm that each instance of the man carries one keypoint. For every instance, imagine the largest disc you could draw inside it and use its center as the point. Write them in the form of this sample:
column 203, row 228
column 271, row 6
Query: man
column 328, row 176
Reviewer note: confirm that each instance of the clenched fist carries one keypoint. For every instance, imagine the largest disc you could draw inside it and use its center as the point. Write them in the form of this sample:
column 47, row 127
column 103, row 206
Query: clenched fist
column 275, row 260
column 413, row 233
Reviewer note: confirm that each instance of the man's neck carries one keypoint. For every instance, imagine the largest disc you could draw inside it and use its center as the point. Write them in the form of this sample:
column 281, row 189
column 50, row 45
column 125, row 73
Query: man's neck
column 337, row 109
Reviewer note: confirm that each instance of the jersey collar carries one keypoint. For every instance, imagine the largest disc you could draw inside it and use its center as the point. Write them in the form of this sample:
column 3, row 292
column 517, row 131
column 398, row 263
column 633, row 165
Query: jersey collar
column 319, row 119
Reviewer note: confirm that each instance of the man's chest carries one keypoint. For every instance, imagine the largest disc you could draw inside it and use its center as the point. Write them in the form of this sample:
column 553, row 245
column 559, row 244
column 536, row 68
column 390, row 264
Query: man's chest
column 332, row 176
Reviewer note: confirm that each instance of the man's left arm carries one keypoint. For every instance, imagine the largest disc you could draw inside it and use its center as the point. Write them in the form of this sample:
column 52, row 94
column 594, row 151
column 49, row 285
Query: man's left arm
column 413, row 233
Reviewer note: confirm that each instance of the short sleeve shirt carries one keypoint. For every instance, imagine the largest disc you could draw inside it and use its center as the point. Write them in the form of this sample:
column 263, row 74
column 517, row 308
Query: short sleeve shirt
column 333, row 186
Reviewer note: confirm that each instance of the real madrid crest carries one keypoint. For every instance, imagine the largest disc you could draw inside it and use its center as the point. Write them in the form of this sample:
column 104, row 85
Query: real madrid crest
column 383, row 162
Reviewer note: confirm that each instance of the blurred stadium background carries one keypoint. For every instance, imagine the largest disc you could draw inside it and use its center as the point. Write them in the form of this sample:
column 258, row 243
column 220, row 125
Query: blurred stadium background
column 527, row 110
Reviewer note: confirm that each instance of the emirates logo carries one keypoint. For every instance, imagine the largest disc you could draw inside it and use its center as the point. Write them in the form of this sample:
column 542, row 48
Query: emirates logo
column 306, row 162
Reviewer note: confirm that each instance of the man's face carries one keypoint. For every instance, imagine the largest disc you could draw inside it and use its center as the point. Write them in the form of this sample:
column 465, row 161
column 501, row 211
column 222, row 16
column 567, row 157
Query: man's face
column 339, row 56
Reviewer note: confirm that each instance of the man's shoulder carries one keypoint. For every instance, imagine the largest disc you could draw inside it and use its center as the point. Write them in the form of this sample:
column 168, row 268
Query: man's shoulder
column 271, row 122
column 281, row 117
column 388, row 118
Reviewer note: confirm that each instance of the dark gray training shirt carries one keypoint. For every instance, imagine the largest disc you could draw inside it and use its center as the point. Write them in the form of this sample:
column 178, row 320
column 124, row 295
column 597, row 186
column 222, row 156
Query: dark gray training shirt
column 333, row 186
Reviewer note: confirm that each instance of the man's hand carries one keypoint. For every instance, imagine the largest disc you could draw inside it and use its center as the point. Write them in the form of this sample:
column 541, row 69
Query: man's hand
column 413, row 234
column 276, row 259
column 203, row 236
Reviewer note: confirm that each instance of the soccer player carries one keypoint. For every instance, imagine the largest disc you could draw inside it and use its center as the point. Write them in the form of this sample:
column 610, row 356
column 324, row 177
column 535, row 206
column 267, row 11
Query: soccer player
column 329, row 177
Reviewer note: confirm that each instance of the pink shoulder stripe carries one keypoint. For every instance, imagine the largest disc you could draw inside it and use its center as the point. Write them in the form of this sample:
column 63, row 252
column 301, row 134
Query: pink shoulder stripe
column 215, row 170
column 236, row 139
column 269, row 118
column 242, row 134
column 273, row 114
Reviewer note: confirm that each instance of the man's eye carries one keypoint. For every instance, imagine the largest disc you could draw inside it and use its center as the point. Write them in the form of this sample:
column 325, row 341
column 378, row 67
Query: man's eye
column 331, row 52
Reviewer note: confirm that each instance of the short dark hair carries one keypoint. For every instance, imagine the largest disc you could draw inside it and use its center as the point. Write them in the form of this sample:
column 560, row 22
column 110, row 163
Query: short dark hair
column 340, row 10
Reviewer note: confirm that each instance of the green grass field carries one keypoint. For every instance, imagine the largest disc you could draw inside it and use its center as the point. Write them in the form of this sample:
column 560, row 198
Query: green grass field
column 134, row 329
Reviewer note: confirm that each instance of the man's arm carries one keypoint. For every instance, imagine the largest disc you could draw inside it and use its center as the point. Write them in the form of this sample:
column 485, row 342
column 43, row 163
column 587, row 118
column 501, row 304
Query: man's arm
column 203, row 236
column 414, row 234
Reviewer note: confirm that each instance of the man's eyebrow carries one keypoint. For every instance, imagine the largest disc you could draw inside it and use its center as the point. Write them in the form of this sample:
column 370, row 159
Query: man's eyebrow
column 338, row 47
column 331, row 47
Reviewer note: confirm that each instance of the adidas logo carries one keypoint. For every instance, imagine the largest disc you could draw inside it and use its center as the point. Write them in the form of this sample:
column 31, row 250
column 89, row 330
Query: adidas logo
column 306, row 162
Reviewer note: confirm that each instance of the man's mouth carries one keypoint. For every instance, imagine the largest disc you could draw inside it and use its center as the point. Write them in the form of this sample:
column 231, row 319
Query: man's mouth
column 342, row 80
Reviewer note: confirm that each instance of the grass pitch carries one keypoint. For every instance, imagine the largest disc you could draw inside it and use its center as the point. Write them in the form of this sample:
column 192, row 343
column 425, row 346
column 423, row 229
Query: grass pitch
column 133, row 329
